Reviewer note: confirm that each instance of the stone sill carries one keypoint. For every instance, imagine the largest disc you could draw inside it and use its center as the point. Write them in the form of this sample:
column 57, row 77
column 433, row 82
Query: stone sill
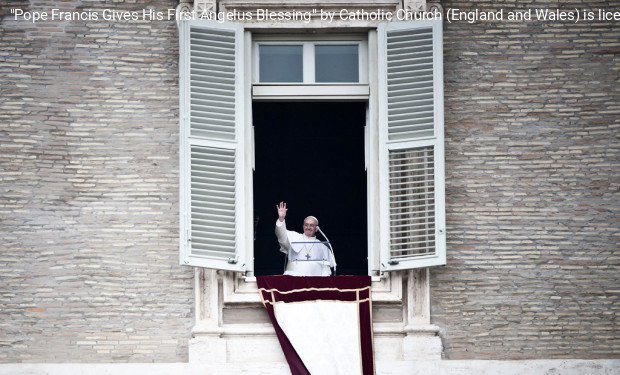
column 386, row 329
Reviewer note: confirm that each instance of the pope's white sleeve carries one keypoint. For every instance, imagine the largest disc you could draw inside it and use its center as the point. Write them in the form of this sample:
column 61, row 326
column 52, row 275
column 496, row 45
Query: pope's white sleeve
column 326, row 271
column 332, row 258
column 329, row 256
column 282, row 236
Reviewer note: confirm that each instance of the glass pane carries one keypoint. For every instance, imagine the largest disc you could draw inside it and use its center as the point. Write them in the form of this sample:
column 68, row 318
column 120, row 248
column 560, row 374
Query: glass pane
column 336, row 63
column 280, row 63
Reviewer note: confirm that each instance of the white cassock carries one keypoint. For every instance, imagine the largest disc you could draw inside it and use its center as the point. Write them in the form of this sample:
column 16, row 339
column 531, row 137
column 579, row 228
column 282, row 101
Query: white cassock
column 307, row 256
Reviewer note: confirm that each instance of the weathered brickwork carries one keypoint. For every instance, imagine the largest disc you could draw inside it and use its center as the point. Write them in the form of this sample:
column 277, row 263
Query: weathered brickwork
column 533, row 178
column 89, row 191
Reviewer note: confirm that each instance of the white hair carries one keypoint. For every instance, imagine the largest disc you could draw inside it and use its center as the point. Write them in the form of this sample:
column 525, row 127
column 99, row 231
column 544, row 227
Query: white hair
column 314, row 218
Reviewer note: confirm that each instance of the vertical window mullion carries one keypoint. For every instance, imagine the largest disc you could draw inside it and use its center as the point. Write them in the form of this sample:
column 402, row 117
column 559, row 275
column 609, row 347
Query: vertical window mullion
column 363, row 62
column 309, row 62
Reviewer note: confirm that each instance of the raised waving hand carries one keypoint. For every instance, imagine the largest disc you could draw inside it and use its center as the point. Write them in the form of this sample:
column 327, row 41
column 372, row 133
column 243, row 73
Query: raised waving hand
column 281, row 210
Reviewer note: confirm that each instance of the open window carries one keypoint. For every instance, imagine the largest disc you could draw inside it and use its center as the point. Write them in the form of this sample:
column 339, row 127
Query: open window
column 217, row 150
column 311, row 155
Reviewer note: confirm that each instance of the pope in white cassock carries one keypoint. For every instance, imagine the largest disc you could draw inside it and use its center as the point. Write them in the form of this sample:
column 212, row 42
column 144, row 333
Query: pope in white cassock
column 307, row 256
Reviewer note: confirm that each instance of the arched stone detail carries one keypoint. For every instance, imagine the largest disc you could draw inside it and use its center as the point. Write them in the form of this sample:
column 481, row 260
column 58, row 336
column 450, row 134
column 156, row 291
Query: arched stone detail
column 434, row 7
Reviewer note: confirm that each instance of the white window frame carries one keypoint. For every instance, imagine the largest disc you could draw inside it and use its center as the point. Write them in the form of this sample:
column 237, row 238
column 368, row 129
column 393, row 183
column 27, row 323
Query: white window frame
column 375, row 147
column 308, row 45
column 309, row 89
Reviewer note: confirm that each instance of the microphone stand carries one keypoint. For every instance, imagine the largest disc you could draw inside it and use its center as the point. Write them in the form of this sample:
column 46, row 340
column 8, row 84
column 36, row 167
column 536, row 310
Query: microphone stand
column 330, row 247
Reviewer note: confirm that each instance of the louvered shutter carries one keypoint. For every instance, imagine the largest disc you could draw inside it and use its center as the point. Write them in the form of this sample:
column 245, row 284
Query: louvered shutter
column 211, row 112
column 411, row 145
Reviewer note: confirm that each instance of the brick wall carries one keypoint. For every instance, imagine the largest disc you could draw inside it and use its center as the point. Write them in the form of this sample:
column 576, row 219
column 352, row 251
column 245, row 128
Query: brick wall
column 89, row 190
column 532, row 177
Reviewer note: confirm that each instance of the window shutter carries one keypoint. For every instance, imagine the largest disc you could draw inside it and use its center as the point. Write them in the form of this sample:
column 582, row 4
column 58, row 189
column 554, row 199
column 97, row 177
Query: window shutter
column 211, row 127
column 411, row 155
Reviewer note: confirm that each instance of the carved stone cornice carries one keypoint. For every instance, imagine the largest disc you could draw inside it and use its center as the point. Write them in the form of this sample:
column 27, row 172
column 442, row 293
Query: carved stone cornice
column 423, row 6
column 375, row 11
column 414, row 5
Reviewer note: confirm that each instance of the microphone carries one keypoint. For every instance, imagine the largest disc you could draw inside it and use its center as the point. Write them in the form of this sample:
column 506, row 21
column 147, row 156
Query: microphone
column 330, row 247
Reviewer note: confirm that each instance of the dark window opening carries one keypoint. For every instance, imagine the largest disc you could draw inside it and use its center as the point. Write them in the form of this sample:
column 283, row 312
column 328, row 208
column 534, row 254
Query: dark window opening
column 311, row 156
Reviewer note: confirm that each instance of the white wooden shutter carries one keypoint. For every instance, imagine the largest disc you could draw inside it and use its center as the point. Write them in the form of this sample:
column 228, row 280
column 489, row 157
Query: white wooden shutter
column 411, row 154
column 211, row 113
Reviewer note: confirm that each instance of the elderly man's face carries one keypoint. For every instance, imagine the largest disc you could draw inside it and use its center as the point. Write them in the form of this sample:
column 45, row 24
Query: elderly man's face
column 310, row 227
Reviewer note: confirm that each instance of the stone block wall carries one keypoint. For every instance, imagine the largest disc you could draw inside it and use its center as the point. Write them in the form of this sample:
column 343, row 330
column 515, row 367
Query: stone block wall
column 532, row 117
column 89, row 189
